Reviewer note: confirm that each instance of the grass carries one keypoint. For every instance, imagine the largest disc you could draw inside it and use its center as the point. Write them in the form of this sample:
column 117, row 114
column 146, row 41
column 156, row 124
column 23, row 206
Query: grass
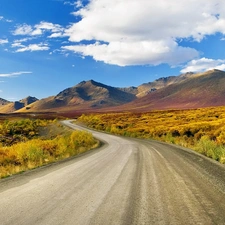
column 53, row 142
column 202, row 130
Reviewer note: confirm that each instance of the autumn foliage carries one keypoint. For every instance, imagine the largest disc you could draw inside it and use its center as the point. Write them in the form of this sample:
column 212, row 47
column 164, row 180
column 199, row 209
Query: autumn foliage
column 202, row 129
column 23, row 148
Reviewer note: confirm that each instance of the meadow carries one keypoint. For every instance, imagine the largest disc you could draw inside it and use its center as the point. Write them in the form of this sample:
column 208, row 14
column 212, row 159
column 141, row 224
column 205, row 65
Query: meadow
column 202, row 130
column 29, row 143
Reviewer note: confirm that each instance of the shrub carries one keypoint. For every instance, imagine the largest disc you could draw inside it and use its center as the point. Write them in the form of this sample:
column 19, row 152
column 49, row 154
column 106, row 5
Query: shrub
column 210, row 149
column 199, row 129
column 36, row 152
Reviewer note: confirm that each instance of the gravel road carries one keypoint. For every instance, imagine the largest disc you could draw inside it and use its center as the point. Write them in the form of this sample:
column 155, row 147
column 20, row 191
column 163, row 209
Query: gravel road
column 126, row 181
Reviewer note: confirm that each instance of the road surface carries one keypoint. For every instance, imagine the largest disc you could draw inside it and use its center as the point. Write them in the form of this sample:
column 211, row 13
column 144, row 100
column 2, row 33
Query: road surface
column 126, row 181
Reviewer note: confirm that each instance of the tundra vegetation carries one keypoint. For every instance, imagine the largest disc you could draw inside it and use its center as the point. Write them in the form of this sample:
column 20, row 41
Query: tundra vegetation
column 30, row 143
column 202, row 130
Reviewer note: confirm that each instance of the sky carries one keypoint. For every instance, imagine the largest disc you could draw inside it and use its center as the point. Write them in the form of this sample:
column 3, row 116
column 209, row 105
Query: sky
column 47, row 46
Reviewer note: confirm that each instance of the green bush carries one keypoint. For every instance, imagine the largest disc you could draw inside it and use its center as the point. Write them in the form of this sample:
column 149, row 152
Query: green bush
column 210, row 149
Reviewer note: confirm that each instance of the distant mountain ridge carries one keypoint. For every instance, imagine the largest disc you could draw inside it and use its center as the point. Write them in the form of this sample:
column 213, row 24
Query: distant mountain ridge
column 3, row 102
column 10, row 107
column 162, row 82
column 85, row 95
column 94, row 91
column 194, row 91
column 187, row 90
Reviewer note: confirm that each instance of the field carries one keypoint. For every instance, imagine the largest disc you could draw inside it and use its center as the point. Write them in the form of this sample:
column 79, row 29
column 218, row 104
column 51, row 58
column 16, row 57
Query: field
column 203, row 130
column 29, row 143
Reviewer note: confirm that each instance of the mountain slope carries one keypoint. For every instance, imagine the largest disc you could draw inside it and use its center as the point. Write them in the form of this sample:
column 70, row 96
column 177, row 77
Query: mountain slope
column 195, row 91
column 85, row 95
column 176, row 92
column 163, row 82
column 28, row 100
column 14, row 106
column 3, row 102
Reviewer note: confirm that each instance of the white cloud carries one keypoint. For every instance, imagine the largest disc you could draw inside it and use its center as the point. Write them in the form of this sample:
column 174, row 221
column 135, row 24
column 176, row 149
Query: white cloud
column 136, row 53
column 130, row 29
column 9, row 21
column 17, row 45
column 3, row 41
column 14, row 74
column 23, row 40
column 45, row 26
column 23, row 29
column 77, row 4
column 5, row 20
column 38, row 29
column 204, row 64
column 56, row 35
column 33, row 47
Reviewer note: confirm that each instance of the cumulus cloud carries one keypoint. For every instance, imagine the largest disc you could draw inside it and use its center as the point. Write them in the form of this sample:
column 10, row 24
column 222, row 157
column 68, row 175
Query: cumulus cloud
column 33, row 47
column 45, row 26
column 3, row 41
column 14, row 74
column 132, row 32
column 204, row 64
column 136, row 53
column 23, row 29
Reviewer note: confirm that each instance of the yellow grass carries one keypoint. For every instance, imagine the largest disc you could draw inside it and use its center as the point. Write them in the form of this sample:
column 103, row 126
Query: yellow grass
column 201, row 129
column 29, row 153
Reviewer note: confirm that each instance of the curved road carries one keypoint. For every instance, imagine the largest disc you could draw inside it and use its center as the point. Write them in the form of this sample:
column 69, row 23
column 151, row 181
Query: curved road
column 126, row 181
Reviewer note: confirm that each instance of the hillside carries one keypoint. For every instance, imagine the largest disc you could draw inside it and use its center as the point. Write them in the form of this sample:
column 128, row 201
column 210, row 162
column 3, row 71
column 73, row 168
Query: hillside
column 91, row 95
column 85, row 95
column 3, row 102
column 28, row 100
column 162, row 82
column 10, row 107
column 194, row 91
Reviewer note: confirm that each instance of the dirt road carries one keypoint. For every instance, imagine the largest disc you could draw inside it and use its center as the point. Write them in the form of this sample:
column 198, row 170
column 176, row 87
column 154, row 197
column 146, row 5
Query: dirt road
column 126, row 181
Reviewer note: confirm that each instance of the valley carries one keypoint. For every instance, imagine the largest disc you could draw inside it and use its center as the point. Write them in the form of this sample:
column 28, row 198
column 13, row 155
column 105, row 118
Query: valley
column 159, row 157
column 112, row 112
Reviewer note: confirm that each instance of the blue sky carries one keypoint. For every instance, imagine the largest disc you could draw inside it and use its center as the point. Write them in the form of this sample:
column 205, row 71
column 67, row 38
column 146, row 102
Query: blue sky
column 49, row 45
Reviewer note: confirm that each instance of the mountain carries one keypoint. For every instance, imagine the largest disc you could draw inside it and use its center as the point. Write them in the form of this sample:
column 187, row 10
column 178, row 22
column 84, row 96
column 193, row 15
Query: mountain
column 186, row 91
column 3, row 102
column 28, row 100
column 85, row 95
column 162, row 82
column 10, row 107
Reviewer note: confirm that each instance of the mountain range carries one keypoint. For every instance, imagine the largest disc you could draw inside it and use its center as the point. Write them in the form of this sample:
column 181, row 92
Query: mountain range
column 185, row 91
